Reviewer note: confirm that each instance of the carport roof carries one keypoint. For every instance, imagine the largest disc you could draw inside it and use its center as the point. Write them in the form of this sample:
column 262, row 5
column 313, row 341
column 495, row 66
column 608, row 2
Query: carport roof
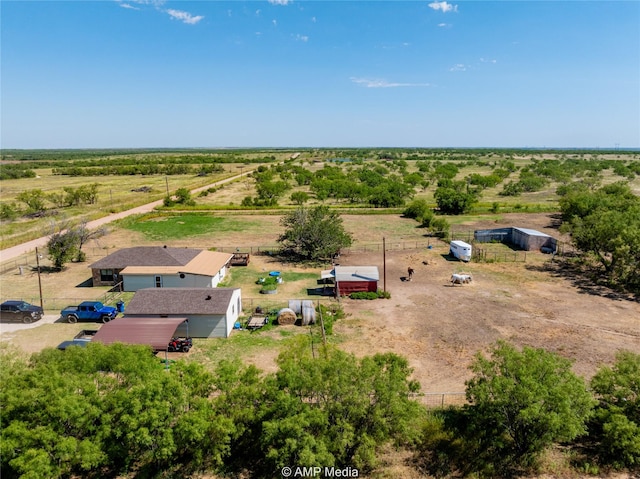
column 156, row 332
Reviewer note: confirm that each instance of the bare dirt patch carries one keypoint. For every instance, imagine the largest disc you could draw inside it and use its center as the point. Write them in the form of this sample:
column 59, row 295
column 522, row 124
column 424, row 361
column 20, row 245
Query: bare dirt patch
column 438, row 327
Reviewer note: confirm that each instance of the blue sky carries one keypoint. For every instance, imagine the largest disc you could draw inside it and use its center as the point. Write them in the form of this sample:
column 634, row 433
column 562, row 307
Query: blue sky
column 154, row 73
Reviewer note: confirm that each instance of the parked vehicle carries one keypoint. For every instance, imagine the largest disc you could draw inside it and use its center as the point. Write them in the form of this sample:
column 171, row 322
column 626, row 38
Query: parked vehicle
column 20, row 311
column 89, row 311
column 460, row 250
column 73, row 342
column 180, row 345
column 86, row 334
column 83, row 338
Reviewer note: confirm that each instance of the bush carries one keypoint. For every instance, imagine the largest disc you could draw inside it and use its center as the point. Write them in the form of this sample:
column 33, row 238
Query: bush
column 440, row 228
column 370, row 295
column 8, row 211
column 417, row 210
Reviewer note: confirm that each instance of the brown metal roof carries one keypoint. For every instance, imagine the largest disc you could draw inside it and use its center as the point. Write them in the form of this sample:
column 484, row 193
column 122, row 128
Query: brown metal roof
column 147, row 256
column 156, row 332
column 180, row 301
column 206, row 263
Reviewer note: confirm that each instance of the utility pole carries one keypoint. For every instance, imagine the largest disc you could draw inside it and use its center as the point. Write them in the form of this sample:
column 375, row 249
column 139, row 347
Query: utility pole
column 384, row 265
column 39, row 280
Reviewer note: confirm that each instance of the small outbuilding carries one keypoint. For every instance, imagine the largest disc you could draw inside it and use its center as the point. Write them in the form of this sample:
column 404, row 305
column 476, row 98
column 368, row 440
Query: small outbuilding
column 353, row 279
column 524, row 238
column 530, row 240
column 211, row 312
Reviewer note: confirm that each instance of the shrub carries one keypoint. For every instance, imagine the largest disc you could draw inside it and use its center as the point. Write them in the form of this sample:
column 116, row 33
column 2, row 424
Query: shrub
column 370, row 295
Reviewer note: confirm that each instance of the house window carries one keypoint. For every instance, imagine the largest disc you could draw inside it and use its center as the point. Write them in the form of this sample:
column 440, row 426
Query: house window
column 158, row 281
column 106, row 275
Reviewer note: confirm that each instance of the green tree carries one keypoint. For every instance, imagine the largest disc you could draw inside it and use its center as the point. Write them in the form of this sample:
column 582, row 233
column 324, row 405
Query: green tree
column 34, row 199
column 417, row 209
column 313, row 234
column 183, row 197
column 453, row 198
column 617, row 423
column 605, row 225
column 524, row 401
column 299, row 197
column 336, row 409
column 101, row 411
column 8, row 211
column 270, row 191
column 62, row 247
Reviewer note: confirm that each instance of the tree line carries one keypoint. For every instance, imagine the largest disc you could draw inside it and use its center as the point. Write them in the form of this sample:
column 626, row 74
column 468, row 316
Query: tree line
column 604, row 223
column 104, row 411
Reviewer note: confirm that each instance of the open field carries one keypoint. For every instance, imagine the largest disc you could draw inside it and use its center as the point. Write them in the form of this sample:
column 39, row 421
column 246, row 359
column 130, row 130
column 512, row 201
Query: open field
column 436, row 326
column 117, row 192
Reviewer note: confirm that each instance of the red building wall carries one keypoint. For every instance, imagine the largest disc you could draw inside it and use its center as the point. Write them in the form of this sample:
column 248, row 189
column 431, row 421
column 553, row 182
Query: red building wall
column 348, row 287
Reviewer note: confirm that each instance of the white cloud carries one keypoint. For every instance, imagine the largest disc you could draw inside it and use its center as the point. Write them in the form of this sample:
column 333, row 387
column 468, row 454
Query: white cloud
column 279, row 2
column 258, row 12
column 155, row 3
column 302, row 38
column 372, row 83
column 126, row 5
column 444, row 25
column 313, row 19
column 458, row 67
column 444, row 6
column 485, row 60
column 184, row 17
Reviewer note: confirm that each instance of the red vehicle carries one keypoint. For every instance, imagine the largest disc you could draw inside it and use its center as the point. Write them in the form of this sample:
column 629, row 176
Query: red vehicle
column 180, row 345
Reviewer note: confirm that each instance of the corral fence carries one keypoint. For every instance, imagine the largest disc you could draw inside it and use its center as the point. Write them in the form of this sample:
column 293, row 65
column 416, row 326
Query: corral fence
column 495, row 250
column 481, row 254
column 27, row 262
column 441, row 400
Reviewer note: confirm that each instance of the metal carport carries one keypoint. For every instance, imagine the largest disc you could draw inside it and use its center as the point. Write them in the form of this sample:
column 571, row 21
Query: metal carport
column 155, row 332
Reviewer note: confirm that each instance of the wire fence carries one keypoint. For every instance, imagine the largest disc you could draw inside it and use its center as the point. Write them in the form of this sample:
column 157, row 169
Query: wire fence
column 441, row 400
column 481, row 254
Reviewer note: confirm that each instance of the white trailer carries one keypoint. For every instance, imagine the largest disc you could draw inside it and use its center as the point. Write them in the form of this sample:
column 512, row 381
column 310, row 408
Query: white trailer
column 460, row 250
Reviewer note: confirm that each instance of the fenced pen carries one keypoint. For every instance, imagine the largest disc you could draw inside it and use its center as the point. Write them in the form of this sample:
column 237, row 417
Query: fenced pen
column 441, row 400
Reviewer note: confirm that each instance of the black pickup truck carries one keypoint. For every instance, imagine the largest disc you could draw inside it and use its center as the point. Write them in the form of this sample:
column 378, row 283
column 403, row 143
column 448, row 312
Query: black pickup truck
column 20, row 311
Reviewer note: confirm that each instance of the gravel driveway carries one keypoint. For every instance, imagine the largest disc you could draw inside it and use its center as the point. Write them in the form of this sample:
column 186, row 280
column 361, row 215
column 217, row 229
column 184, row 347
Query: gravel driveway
column 11, row 327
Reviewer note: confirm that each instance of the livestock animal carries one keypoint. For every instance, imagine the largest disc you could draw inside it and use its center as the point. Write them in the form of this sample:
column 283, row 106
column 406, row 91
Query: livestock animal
column 460, row 278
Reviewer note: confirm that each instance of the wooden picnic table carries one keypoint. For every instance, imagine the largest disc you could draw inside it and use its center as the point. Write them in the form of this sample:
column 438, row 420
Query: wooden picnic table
column 256, row 321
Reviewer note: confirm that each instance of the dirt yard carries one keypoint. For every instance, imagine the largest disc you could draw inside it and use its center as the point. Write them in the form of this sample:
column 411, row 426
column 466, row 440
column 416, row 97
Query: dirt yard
column 437, row 326
column 440, row 327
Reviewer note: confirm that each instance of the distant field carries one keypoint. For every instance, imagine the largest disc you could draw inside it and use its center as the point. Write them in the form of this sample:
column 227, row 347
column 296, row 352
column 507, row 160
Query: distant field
column 120, row 192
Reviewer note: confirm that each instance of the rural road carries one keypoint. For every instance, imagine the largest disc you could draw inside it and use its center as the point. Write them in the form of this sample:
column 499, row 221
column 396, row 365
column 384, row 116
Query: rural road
column 19, row 250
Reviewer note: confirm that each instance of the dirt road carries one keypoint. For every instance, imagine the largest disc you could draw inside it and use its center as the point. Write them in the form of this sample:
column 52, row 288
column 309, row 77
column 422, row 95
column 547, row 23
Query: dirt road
column 24, row 248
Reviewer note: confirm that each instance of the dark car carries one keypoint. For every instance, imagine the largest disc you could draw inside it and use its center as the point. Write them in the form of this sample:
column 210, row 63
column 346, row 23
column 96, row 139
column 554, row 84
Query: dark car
column 73, row 342
column 20, row 311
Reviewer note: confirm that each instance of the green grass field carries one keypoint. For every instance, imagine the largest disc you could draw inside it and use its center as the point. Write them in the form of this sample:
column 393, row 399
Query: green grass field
column 171, row 227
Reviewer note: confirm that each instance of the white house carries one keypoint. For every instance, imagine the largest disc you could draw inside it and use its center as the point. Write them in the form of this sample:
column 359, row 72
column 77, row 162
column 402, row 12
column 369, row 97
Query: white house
column 161, row 267
column 210, row 312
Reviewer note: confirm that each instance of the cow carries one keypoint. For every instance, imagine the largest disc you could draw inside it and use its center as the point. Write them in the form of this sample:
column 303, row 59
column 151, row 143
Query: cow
column 460, row 278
